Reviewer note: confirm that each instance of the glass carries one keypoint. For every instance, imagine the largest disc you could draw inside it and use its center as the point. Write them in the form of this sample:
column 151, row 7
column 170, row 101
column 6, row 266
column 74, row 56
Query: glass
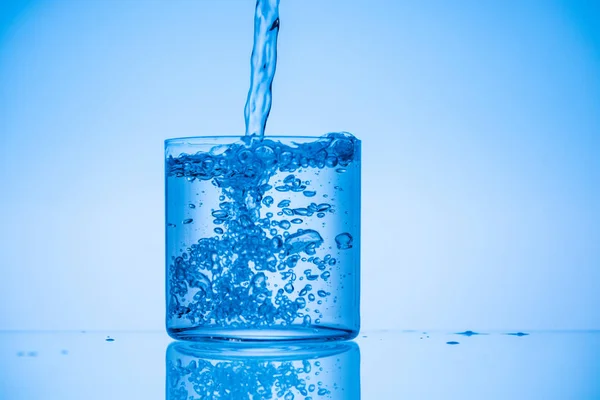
column 263, row 238
column 310, row 371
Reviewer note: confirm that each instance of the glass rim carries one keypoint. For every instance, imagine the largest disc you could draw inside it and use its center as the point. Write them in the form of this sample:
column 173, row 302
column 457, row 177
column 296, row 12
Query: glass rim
column 238, row 137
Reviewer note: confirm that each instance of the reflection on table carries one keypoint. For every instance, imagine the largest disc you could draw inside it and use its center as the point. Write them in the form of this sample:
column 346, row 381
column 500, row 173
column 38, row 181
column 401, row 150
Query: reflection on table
column 308, row 371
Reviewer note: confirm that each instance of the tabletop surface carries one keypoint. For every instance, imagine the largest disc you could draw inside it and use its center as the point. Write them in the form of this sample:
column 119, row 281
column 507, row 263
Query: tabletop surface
column 380, row 365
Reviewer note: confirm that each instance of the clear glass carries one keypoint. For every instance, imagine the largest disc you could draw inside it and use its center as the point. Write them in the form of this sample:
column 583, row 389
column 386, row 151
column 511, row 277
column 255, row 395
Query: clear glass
column 310, row 371
column 263, row 238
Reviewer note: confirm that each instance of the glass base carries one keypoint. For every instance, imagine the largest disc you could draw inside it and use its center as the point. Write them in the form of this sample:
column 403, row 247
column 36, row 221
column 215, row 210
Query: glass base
column 271, row 334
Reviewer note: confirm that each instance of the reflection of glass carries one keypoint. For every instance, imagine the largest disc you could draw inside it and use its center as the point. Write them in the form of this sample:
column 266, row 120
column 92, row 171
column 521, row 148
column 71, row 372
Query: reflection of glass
column 307, row 371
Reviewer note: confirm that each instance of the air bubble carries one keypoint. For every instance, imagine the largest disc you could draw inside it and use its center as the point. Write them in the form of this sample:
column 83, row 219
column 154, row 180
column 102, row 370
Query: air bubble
column 323, row 207
column 289, row 288
column 303, row 241
column 276, row 243
column 289, row 179
column 306, row 366
column 344, row 241
column 284, row 224
column 306, row 320
column 265, row 153
column 283, row 203
column 220, row 214
column 302, row 211
column 305, row 290
column 267, row 201
column 331, row 161
column 259, row 280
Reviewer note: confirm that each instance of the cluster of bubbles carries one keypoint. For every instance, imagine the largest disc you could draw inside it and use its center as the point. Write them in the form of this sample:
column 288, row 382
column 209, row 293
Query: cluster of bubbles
column 223, row 280
column 245, row 379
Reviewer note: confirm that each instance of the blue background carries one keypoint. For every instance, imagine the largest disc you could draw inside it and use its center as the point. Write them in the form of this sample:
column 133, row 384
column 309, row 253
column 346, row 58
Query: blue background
column 480, row 124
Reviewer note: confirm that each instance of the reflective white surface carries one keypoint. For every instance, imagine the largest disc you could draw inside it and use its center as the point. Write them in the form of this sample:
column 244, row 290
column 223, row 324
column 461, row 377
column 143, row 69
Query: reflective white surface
column 393, row 365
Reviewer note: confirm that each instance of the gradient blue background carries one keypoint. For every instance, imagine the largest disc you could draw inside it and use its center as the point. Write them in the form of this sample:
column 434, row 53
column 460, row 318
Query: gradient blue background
column 480, row 124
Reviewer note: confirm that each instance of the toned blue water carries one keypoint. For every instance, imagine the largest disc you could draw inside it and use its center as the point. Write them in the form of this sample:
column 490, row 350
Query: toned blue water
column 262, row 64
column 262, row 237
